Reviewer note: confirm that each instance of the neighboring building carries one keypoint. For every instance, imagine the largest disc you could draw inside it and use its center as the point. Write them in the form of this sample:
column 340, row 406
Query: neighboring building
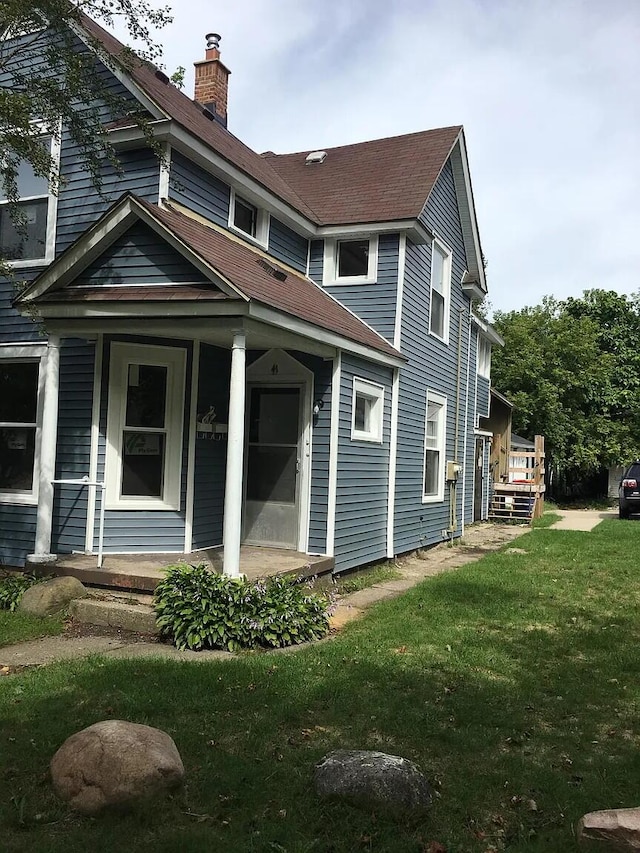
column 272, row 349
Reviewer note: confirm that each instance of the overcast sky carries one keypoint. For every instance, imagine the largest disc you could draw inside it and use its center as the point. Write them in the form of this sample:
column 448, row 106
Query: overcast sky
column 548, row 92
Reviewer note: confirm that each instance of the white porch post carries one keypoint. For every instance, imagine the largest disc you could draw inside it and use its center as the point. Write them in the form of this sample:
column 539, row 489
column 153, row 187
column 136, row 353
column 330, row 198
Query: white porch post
column 235, row 456
column 48, row 442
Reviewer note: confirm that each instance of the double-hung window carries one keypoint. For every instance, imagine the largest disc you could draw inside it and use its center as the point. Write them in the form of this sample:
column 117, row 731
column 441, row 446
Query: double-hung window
column 440, row 290
column 144, row 427
column 434, row 448
column 19, row 420
column 31, row 239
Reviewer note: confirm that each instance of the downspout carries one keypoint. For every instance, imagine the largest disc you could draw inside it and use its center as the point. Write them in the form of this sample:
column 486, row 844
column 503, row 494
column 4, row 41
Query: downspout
column 466, row 419
column 453, row 496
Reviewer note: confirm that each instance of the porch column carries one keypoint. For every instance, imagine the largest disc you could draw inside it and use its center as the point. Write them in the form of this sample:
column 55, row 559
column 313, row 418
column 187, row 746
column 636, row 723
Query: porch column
column 235, row 456
column 48, row 442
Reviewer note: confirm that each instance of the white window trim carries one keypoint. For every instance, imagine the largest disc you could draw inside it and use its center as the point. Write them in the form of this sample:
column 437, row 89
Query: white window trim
column 483, row 361
column 52, row 213
column 375, row 393
column 447, row 265
column 262, row 223
column 26, row 353
column 330, row 266
column 432, row 397
column 174, row 359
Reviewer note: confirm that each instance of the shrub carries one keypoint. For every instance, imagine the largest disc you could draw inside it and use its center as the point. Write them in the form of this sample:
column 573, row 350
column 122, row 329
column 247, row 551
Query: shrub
column 12, row 588
column 200, row 609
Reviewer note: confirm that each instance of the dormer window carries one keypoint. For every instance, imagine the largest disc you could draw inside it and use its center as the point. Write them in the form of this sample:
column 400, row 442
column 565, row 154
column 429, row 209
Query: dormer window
column 351, row 261
column 248, row 219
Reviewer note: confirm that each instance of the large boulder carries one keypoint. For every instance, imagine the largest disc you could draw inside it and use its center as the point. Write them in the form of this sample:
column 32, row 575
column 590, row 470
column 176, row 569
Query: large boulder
column 610, row 830
column 52, row 596
column 115, row 764
column 373, row 780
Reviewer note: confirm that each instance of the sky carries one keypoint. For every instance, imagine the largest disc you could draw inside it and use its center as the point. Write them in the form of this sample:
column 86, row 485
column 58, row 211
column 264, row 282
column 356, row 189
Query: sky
column 548, row 92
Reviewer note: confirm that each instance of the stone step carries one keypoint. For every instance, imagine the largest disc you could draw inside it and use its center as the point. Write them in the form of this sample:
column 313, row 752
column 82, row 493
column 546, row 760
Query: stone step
column 115, row 613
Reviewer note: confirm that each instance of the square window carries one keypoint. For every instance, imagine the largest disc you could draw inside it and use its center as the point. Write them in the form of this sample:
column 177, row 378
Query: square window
column 245, row 217
column 368, row 411
column 434, row 448
column 353, row 258
column 440, row 288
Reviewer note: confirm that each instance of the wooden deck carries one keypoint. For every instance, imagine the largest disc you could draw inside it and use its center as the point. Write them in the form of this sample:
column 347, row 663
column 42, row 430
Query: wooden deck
column 521, row 499
column 143, row 572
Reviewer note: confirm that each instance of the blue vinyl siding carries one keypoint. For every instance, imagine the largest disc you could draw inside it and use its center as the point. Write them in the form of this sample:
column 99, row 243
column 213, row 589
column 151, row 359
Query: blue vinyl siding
column 140, row 256
column 432, row 366
column 363, row 475
column 287, row 246
column 13, row 326
column 198, row 190
column 211, row 455
column 74, row 445
column 483, row 396
column 141, row 531
column 17, row 534
column 316, row 260
column 375, row 303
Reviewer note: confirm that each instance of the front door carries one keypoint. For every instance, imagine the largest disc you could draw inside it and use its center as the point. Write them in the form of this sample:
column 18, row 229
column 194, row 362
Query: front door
column 478, row 480
column 271, row 513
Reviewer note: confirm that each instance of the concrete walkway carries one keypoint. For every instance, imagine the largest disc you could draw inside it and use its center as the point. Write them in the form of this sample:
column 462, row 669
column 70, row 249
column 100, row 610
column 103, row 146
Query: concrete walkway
column 581, row 519
column 479, row 539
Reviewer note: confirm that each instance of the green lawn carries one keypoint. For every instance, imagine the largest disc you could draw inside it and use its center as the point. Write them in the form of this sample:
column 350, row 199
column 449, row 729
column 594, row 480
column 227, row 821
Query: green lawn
column 514, row 682
column 19, row 627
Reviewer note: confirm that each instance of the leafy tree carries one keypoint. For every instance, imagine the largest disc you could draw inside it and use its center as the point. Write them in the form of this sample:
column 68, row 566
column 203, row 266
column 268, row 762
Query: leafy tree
column 572, row 370
column 48, row 82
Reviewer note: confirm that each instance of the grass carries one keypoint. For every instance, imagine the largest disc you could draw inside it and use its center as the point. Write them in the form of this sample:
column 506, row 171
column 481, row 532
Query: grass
column 514, row 682
column 356, row 581
column 20, row 627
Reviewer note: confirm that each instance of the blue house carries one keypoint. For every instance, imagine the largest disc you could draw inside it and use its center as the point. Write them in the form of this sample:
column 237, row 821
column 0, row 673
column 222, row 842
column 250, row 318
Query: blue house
column 240, row 348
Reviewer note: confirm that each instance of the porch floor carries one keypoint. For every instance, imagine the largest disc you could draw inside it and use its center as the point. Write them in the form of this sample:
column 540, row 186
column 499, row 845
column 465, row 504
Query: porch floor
column 145, row 571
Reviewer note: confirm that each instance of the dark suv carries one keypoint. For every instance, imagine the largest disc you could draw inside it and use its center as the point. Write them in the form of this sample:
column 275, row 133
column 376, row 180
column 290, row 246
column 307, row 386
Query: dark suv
column 629, row 491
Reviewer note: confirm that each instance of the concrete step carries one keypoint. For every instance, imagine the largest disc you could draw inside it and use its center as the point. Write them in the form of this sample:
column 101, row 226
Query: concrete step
column 115, row 613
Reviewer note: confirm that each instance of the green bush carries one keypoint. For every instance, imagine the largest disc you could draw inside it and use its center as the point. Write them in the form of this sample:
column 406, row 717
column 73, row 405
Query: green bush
column 12, row 588
column 199, row 609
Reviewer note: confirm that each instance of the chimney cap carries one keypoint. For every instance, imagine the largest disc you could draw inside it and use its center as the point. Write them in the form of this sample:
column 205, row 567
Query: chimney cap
column 213, row 41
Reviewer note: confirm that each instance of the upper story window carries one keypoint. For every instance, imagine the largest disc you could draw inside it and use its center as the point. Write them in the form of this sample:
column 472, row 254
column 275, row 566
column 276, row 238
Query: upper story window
column 484, row 357
column 434, row 448
column 19, row 420
column 368, row 411
column 351, row 261
column 248, row 219
column 440, row 291
column 31, row 241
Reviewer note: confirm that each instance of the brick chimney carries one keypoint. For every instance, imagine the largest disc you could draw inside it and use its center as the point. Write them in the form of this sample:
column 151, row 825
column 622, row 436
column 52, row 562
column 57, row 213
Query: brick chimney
column 212, row 80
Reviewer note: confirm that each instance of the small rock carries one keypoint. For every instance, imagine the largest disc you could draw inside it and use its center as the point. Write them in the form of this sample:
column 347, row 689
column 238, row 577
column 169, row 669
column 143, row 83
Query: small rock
column 610, row 830
column 515, row 551
column 115, row 764
column 373, row 780
column 52, row 596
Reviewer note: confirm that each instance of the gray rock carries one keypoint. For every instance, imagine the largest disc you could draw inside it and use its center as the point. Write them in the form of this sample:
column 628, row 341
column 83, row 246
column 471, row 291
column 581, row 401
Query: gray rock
column 515, row 551
column 52, row 596
column 373, row 780
column 610, row 830
column 115, row 764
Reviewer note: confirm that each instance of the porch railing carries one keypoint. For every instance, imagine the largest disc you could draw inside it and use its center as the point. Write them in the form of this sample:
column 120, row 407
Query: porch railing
column 98, row 484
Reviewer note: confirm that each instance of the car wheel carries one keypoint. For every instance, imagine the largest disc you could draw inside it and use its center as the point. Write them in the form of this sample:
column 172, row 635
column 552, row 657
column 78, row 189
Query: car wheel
column 623, row 513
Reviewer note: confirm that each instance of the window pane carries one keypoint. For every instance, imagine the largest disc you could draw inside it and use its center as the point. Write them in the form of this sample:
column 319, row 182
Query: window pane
column 18, row 391
column 437, row 271
column 437, row 313
column 146, row 395
column 274, row 415
column 245, row 216
column 29, row 184
column 31, row 241
column 271, row 474
column 17, row 453
column 353, row 258
column 142, row 464
column 362, row 413
column 431, row 472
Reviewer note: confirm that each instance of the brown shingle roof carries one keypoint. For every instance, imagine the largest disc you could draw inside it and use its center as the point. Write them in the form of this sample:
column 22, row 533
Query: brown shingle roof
column 377, row 181
column 249, row 270
column 187, row 113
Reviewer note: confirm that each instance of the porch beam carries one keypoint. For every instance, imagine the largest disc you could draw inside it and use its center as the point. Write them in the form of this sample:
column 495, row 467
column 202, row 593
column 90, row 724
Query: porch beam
column 232, row 526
